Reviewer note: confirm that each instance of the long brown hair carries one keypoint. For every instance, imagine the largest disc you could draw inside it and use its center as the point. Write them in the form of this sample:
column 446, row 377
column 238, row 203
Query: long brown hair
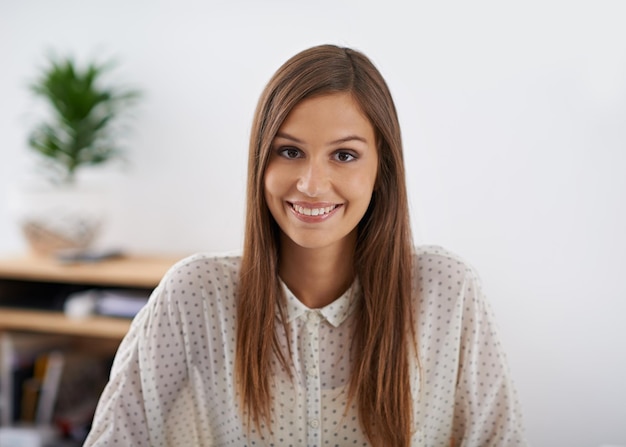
column 384, row 331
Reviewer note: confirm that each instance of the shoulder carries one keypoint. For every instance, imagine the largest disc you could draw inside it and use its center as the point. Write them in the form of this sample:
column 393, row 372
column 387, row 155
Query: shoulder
column 436, row 258
column 447, row 291
column 203, row 274
column 436, row 268
column 205, row 265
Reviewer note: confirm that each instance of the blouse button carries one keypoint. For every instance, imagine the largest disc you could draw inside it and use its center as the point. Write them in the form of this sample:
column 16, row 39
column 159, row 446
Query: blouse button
column 314, row 423
column 312, row 371
column 313, row 317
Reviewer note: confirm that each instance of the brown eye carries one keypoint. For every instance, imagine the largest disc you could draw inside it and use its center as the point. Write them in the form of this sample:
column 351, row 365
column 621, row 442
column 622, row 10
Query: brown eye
column 290, row 152
column 344, row 157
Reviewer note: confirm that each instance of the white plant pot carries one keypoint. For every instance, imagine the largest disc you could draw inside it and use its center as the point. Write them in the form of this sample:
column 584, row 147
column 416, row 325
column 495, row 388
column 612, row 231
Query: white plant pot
column 58, row 218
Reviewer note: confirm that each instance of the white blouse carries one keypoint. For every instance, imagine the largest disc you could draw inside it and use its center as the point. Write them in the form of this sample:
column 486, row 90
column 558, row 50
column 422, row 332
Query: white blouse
column 173, row 382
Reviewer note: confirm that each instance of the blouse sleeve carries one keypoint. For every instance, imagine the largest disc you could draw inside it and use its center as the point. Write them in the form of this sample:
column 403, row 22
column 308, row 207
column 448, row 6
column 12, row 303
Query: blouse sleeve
column 147, row 401
column 486, row 409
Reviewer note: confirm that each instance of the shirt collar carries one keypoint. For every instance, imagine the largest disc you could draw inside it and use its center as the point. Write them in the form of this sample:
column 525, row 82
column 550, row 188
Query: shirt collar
column 335, row 313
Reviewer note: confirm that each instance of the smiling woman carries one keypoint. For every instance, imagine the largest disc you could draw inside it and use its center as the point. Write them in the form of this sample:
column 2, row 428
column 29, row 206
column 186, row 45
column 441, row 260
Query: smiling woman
column 331, row 328
column 319, row 182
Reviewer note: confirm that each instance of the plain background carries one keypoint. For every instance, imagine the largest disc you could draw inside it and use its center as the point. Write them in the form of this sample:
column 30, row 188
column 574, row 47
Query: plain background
column 514, row 124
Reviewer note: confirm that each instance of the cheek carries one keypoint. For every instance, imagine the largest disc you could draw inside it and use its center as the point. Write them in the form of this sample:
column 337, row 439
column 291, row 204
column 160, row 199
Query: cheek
column 274, row 183
column 361, row 186
column 269, row 183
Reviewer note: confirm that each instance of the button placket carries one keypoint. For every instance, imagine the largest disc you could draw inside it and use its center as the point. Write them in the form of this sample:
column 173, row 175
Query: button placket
column 313, row 379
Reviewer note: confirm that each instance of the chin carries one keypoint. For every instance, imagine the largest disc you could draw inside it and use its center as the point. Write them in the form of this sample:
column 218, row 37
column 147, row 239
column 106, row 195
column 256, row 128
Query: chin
column 311, row 244
column 318, row 241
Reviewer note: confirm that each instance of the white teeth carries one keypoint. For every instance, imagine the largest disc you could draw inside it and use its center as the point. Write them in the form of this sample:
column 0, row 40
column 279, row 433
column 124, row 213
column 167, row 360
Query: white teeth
column 313, row 211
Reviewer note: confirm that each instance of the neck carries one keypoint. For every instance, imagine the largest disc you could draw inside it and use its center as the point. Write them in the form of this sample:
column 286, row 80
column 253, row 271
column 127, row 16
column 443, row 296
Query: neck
column 317, row 276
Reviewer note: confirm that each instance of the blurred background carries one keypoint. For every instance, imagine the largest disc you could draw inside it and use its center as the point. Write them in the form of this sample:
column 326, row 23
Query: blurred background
column 514, row 125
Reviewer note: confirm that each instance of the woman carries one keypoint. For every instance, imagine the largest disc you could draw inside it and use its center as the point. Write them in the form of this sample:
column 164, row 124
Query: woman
column 330, row 329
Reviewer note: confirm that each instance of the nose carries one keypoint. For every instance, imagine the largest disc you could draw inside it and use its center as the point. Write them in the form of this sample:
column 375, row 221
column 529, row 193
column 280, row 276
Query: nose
column 314, row 180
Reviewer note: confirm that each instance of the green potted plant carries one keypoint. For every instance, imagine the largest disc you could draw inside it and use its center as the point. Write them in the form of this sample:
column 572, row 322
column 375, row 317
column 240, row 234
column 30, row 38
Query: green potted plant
column 82, row 129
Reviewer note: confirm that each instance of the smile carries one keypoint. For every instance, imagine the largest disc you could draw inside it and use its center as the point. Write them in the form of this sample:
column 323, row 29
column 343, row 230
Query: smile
column 312, row 211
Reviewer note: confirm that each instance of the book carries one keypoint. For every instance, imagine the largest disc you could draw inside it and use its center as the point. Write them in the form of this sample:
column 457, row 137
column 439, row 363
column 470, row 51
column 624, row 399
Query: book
column 120, row 302
column 82, row 381
column 49, row 387
column 23, row 367
column 123, row 303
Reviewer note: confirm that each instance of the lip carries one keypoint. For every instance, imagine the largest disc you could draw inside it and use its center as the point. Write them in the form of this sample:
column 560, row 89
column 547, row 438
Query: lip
column 313, row 206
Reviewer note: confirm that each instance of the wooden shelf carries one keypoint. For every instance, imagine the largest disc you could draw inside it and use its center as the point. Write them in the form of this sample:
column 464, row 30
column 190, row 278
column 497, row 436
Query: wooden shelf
column 33, row 293
column 58, row 323
column 130, row 271
column 138, row 272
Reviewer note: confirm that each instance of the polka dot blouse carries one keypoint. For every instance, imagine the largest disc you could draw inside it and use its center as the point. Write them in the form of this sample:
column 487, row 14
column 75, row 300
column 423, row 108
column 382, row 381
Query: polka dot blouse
column 173, row 383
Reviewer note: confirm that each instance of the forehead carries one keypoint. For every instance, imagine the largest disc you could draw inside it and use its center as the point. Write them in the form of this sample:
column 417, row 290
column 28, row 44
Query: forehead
column 327, row 112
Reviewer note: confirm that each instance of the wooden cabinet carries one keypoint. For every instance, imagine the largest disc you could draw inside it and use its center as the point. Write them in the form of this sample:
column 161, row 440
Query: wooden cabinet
column 32, row 295
column 32, row 291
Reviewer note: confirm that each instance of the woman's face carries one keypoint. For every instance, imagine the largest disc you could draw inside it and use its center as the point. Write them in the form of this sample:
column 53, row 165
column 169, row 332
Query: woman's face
column 321, row 172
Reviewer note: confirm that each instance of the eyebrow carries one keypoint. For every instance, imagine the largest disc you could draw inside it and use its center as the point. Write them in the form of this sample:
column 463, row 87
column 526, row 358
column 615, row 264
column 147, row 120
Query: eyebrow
column 338, row 141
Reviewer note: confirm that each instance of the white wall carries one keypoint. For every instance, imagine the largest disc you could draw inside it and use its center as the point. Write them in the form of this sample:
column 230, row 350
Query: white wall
column 514, row 120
